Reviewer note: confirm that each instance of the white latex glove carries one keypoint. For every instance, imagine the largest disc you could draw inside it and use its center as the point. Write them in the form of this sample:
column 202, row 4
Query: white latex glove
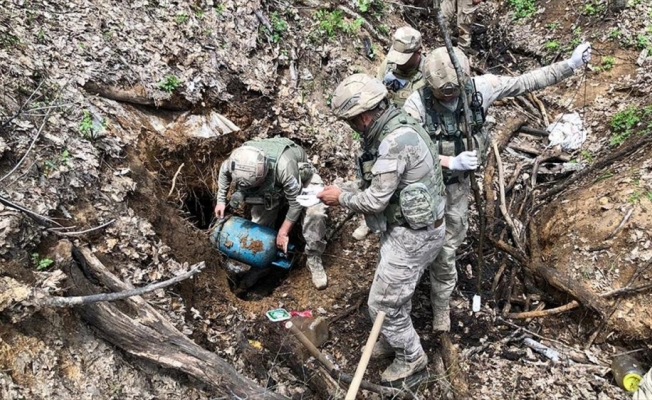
column 466, row 160
column 581, row 55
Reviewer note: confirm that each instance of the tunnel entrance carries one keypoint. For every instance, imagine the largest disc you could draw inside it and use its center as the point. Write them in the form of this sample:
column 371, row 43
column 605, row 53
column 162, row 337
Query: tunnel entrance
column 199, row 205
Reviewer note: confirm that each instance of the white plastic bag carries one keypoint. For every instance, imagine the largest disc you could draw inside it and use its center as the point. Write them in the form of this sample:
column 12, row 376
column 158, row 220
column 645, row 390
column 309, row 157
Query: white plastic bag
column 567, row 131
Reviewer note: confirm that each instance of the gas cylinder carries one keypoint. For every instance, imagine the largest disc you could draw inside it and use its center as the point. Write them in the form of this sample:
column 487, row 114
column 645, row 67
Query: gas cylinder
column 250, row 243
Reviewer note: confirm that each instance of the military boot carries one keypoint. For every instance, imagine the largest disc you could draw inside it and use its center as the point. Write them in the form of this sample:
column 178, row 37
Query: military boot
column 381, row 350
column 401, row 369
column 442, row 319
column 361, row 231
column 316, row 268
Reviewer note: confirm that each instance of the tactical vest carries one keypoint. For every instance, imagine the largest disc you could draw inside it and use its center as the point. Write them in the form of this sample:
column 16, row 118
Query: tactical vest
column 447, row 128
column 432, row 182
column 269, row 193
column 414, row 83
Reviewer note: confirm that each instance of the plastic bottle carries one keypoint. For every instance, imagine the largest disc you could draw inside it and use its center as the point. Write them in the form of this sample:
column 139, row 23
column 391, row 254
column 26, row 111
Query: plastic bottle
column 627, row 371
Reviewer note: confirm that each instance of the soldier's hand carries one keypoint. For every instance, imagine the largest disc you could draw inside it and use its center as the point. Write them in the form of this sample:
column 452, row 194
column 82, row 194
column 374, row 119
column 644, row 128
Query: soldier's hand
column 466, row 160
column 330, row 195
column 282, row 241
column 581, row 55
column 219, row 210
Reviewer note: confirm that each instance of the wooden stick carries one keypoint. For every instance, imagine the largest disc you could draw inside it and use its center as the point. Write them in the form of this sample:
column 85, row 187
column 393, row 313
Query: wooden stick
column 366, row 355
column 534, row 131
column 543, row 313
column 516, row 234
column 452, row 363
column 314, row 351
column 57, row 301
column 174, row 179
column 542, row 108
column 56, row 232
column 622, row 223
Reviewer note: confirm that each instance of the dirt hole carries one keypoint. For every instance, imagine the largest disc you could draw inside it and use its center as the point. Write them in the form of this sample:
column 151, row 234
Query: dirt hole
column 199, row 205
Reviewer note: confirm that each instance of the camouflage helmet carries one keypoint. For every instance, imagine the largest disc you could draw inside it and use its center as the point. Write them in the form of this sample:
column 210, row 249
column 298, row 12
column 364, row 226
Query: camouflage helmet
column 356, row 94
column 439, row 70
column 248, row 166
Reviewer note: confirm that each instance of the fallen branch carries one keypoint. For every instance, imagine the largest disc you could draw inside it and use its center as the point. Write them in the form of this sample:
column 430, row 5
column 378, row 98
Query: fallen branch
column 542, row 108
column 31, row 145
column 620, row 226
column 452, row 363
column 56, row 230
column 38, row 218
column 632, row 147
column 137, row 328
column 57, row 301
column 543, row 313
column 517, row 233
column 135, row 95
column 263, row 20
column 372, row 31
column 174, row 179
column 534, row 131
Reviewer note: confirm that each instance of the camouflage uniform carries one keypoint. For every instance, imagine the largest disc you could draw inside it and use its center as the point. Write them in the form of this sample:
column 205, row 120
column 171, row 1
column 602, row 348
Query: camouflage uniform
column 290, row 173
column 403, row 156
column 399, row 84
column 461, row 12
column 443, row 275
column 644, row 391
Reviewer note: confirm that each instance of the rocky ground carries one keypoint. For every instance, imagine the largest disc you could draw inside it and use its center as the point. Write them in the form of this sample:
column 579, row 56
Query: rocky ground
column 75, row 151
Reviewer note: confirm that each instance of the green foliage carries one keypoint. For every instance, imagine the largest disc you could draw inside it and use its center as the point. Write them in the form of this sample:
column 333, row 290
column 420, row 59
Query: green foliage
column 624, row 122
column 577, row 38
column 181, row 18
column 332, row 22
column 279, row 26
column 586, row 155
column 635, row 197
column 522, row 8
column 604, row 176
column 65, row 157
column 88, row 128
column 552, row 45
column 642, row 41
column 378, row 6
column 8, row 40
column 355, row 135
column 383, row 29
column 169, row 84
column 219, row 9
column 614, row 34
column 607, row 63
column 648, row 195
column 41, row 263
column 592, row 8
column 552, row 26
column 86, row 124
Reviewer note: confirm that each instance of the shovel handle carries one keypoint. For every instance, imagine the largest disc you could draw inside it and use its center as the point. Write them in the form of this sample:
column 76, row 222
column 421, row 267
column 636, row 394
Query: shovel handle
column 366, row 355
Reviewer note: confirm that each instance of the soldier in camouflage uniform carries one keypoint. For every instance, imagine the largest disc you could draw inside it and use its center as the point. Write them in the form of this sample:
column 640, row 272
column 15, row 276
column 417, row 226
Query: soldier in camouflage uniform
column 461, row 12
column 439, row 108
column 402, row 74
column 403, row 199
column 269, row 173
column 402, row 70
column 644, row 391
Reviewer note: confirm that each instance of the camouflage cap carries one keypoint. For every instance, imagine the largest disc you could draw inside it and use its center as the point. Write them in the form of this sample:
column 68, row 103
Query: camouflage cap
column 438, row 69
column 248, row 166
column 356, row 94
column 406, row 41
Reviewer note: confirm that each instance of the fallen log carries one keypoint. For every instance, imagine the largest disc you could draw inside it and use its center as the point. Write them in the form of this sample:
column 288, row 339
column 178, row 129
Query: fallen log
column 137, row 328
column 452, row 363
column 136, row 95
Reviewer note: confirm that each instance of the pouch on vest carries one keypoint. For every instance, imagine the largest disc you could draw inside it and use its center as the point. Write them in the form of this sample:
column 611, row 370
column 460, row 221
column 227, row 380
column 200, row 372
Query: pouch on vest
column 365, row 164
column 306, row 171
column 376, row 222
column 417, row 205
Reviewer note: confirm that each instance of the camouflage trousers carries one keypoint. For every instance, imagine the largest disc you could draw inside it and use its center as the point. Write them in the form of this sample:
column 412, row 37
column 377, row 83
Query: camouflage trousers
column 404, row 256
column 644, row 391
column 461, row 12
column 443, row 274
column 313, row 221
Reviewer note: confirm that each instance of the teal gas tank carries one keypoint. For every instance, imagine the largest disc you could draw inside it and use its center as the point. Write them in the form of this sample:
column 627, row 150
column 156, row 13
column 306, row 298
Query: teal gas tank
column 250, row 243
